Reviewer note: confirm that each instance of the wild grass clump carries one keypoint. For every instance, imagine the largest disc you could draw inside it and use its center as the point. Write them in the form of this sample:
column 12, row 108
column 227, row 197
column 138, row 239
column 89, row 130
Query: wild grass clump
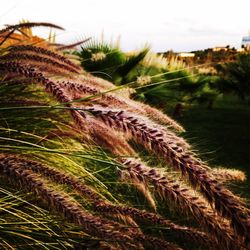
column 68, row 138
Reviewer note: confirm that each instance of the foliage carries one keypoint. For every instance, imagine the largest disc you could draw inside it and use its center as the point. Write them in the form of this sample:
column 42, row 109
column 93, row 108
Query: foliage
column 169, row 90
column 78, row 145
column 179, row 87
column 101, row 58
column 235, row 77
column 225, row 54
column 155, row 79
column 108, row 61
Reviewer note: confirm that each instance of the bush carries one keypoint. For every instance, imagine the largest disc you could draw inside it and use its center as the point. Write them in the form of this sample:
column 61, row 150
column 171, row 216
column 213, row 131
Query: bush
column 235, row 77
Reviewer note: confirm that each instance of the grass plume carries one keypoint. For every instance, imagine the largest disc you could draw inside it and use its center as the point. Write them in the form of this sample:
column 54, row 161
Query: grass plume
column 156, row 140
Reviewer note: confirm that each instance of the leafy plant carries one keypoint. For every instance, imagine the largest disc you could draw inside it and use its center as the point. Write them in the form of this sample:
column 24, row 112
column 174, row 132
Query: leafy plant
column 235, row 77
column 108, row 61
column 72, row 141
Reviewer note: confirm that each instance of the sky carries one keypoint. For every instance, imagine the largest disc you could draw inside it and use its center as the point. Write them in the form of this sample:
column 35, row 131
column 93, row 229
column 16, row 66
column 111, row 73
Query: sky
column 180, row 25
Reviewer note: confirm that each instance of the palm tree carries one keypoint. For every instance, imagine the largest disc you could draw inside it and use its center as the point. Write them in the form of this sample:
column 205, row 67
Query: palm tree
column 107, row 61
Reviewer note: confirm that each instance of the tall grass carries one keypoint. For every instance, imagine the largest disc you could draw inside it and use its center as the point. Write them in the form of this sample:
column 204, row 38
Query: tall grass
column 70, row 139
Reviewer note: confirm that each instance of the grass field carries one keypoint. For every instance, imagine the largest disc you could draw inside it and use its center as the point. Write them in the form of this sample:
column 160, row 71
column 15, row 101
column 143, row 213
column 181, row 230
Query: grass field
column 222, row 136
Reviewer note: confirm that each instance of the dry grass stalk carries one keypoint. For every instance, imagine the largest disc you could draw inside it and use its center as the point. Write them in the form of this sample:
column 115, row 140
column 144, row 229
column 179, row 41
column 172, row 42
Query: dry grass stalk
column 29, row 25
column 184, row 199
column 156, row 140
column 142, row 187
column 72, row 210
column 227, row 175
column 78, row 87
column 120, row 101
column 34, row 59
column 44, row 52
column 104, row 206
column 20, row 171
column 72, row 46
column 105, row 137
column 159, row 116
column 188, row 233
column 88, row 85
column 156, row 243
column 50, row 86
column 99, row 133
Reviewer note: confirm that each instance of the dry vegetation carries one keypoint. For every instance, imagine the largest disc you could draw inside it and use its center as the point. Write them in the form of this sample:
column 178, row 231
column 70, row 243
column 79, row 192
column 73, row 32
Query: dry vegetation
column 103, row 115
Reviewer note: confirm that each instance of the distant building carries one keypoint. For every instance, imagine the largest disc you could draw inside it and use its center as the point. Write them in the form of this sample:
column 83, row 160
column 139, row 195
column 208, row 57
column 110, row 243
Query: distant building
column 246, row 42
column 186, row 54
column 215, row 49
column 240, row 50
